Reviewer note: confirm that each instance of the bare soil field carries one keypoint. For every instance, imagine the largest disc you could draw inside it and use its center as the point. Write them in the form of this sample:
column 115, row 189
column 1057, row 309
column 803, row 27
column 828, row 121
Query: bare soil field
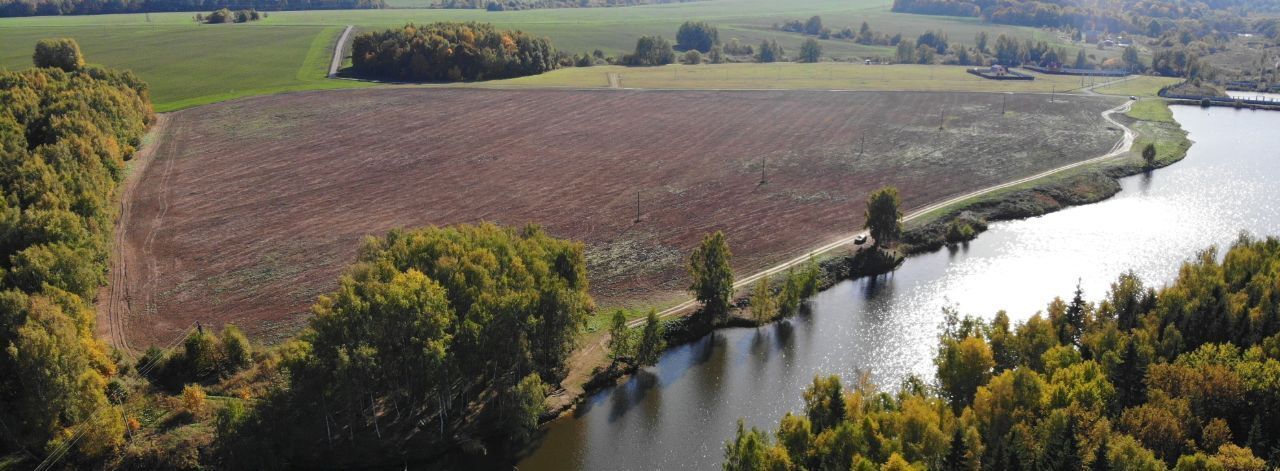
column 252, row 208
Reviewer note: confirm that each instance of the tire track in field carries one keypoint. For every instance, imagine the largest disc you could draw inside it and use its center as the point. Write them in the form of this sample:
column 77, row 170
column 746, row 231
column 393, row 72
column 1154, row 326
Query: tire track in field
column 117, row 305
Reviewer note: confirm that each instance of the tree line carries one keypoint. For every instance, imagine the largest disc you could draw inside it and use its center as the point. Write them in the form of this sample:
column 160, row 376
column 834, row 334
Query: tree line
column 514, row 5
column 66, row 130
column 450, row 52
column 1186, row 377
column 11, row 8
column 224, row 15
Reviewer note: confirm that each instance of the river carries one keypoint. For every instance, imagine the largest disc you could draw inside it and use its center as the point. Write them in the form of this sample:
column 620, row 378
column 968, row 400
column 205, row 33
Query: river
column 677, row 414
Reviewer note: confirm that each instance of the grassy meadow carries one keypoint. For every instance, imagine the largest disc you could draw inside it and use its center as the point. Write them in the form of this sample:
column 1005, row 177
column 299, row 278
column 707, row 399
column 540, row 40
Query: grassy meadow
column 1144, row 86
column 189, row 64
column 796, row 76
column 192, row 65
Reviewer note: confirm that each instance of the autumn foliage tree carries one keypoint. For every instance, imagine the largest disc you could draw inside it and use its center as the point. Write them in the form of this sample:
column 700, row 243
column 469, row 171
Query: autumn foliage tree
column 1185, row 377
column 458, row 330
column 450, row 52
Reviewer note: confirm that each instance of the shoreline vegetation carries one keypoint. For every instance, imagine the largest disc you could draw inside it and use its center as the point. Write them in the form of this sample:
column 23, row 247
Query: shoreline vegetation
column 1155, row 378
column 1151, row 119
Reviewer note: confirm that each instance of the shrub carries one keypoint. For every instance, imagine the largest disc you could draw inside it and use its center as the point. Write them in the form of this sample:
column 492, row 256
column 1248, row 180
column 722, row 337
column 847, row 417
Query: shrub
column 959, row 230
column 693, row 57
column 61, row 53
column 193, row 400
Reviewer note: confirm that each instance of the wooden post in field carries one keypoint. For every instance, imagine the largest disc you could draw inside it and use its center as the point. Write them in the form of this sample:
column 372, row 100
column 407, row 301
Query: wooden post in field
column 637, row 206
column 1003, row 103
column 764, row 166
column 864, row 144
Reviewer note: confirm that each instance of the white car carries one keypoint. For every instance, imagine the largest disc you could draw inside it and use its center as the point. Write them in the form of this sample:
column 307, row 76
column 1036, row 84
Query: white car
column 861, row 239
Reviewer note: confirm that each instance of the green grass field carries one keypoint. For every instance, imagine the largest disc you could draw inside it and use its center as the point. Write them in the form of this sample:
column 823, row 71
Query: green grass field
column 1145, row 86
column 188, row 64
column 192, row 65
column 786, row 75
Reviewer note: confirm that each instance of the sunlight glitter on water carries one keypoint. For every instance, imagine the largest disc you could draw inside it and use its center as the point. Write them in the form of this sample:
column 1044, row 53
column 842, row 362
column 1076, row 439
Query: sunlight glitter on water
column 677, row 414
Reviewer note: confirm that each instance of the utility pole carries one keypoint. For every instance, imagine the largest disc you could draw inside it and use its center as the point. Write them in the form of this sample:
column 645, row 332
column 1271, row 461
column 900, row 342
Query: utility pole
column 942, row 122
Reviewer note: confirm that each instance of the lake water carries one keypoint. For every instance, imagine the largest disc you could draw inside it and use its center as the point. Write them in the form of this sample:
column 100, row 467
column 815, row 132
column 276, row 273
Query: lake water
column 677, row 414
column 1255, row 96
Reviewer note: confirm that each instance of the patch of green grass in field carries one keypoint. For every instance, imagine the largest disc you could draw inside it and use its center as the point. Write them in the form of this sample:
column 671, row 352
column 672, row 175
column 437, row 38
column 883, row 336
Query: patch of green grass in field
column 188, row 64
column 1157, row 126
column 1151, row 110
column 192, row 65
column 782, row 76
column 1144, row 86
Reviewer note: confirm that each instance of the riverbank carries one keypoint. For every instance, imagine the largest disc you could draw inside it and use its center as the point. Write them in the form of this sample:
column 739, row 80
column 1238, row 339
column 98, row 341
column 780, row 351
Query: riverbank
column 676, row 414
column 857, row 262
column 1152, row 122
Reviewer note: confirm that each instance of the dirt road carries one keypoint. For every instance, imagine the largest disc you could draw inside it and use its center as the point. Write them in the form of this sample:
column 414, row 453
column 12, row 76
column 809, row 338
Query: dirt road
column 115, row 305
column 338, row 47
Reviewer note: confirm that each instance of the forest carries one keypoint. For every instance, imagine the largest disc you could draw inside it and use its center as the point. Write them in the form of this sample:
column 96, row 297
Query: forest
column 11, row 8
column 510, row 5
column 65, row 133
column 450, row 52
column 1184, row 377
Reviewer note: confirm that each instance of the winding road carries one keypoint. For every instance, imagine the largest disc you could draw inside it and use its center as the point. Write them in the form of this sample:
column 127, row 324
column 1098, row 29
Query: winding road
column 1122, row 147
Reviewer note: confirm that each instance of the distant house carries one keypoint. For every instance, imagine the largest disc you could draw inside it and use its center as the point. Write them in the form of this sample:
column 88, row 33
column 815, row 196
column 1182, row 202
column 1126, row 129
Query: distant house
column 998, row 70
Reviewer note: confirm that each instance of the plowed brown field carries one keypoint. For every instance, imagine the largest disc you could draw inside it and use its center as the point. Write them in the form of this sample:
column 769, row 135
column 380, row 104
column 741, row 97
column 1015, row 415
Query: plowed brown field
column 250, row 209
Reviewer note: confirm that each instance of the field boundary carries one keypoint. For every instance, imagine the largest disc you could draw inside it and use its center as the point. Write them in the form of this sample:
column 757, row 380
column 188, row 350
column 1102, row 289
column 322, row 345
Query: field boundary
column 115, row 305
column 1120, row 148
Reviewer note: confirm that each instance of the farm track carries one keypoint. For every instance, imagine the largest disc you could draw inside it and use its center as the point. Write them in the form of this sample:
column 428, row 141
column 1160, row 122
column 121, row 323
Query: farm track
column 338, row 47
column 257, row 206
column 117, row 303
